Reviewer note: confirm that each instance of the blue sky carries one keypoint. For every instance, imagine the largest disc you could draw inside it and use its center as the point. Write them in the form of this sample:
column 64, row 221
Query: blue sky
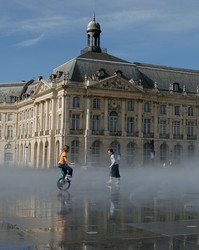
column 39, row 35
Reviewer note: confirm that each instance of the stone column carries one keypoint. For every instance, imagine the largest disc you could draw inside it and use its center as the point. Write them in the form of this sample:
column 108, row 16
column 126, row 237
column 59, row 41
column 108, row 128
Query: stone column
column 184, row 125
column 42, row 115
column 155, row 125
column 62, row 128
column 47, row 114
column 123, row 120
column 139, row 123
column 106, row 116
column 87, row 130
column 67, row 115
column 170, row 115
column 52, row 133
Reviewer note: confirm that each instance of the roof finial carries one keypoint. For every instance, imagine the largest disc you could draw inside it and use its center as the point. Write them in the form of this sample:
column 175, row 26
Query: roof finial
column 94, row 16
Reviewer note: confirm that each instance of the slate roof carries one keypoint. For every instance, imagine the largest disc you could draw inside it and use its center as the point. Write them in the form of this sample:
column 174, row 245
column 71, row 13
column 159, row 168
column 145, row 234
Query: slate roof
column 165, row 75
column 10, row 91
column 90, row 62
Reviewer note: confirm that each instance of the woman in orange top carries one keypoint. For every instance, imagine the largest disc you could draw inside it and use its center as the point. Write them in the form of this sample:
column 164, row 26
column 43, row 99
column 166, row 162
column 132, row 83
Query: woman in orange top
column 64, row 163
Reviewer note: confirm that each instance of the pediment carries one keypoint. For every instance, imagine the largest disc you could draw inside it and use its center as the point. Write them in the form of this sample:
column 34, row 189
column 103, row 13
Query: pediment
column 41, row 88
column 117, row 83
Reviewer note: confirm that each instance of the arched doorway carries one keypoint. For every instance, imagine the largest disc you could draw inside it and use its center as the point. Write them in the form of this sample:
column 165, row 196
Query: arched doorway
column 164, row 149
column 95, row 152
column 130, row 153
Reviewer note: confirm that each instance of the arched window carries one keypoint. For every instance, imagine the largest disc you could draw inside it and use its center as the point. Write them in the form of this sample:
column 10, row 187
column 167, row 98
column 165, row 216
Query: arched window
column 95, row 151
column 177, row 153
column 113, row 122
column 147, row 152
column 130, row 153
column 75, row 151
column 163, row 152
column 176, row 87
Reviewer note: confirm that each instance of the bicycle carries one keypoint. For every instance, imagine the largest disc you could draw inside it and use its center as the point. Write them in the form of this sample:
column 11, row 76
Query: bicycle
column 63, row 183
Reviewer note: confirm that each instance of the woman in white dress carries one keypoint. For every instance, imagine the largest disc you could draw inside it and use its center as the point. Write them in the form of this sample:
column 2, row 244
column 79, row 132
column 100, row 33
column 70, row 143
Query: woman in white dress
column 114, row 167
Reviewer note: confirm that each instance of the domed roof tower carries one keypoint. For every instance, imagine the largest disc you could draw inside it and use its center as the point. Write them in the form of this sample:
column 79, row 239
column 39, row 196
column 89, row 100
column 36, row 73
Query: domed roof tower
column 93, row 31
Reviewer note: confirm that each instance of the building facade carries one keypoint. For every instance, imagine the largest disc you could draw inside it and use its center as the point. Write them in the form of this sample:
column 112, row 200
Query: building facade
column 96, row 101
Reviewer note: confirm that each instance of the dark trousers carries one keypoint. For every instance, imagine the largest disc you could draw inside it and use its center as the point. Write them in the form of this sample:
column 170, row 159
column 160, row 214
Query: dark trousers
column 66, row 170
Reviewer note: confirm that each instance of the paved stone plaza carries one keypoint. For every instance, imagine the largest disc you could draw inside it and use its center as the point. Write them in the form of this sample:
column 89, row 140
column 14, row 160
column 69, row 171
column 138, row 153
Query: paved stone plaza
column 152, row 209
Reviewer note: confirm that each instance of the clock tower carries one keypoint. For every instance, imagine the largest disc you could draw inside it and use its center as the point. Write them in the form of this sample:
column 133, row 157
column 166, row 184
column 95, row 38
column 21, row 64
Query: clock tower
column 93, row 31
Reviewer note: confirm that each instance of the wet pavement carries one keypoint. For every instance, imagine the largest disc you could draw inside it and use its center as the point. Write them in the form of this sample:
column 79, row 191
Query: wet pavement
column 151, row 209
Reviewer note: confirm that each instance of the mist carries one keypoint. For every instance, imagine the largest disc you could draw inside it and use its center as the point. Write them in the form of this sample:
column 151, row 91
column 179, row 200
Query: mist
column 140, row 184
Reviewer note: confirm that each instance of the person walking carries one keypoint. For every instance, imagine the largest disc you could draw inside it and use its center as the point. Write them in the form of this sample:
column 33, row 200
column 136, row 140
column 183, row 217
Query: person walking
column 114, row 167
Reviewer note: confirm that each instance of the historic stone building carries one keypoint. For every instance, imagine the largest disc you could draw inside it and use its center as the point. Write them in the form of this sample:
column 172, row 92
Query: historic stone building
column 97, row 101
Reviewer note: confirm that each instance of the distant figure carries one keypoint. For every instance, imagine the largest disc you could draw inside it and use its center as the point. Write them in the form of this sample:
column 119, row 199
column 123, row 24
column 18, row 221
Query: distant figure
column 114, row 167
column 64, row 163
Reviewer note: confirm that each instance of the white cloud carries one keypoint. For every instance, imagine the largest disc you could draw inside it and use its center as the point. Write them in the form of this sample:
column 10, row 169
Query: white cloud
column 30, row 42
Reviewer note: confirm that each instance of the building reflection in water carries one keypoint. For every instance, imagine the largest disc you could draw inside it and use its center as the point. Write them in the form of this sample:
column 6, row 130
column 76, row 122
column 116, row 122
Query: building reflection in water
column 112, row 218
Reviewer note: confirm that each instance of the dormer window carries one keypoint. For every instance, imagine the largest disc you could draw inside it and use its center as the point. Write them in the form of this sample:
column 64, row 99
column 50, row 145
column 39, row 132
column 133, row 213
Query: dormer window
column 101, row 73
column 176, row 87
column 118, row 73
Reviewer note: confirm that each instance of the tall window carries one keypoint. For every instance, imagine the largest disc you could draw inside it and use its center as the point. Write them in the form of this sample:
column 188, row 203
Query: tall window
column 96, row 123
column 176, row 128
column 147, row 126
column 190, row 129
column 10, row 116
column 0, row 131
column 113, row 122
column 130, row 153
column 10, row 131
column 96, row 103
column 130, row 105
column 147, row 107
column 163, row 109
column 177, row 110
column 163, row 127
column 76, row 102
column 75, row 122
column 96, row 151
column 0, row 117
column 190, row 111
column 130, row 125
column 75, row 151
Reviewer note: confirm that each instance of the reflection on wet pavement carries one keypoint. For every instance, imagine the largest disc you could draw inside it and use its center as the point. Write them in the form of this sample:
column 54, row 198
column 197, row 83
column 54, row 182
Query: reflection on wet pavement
column 159, row 211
